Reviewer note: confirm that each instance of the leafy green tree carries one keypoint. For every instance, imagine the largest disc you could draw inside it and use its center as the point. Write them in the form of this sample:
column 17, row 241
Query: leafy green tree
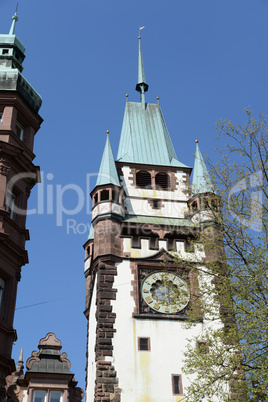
column 233, row 282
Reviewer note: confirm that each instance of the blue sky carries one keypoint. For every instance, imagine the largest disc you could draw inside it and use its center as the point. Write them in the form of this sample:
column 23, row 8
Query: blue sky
column 206, row 60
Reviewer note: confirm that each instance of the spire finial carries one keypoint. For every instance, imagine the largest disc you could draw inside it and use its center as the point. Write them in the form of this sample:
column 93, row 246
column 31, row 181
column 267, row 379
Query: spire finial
column 14, row 20
column 20, row 367
column 141, row 86
column 21, row 355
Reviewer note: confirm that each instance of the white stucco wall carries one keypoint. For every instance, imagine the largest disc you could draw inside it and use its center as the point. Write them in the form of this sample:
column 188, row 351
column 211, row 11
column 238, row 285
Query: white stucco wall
column 146, row 375
column 174, row 202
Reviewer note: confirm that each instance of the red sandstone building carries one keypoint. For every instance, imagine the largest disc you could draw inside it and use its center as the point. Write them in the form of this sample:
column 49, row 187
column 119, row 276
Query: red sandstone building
column 19, row 122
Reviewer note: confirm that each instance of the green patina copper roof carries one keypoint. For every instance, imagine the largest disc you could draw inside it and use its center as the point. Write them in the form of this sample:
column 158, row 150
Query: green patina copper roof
column 107, row 172
column 50, row 363
column 201, row 179
column 158, row 220
column 145, row 137
column 11, row 59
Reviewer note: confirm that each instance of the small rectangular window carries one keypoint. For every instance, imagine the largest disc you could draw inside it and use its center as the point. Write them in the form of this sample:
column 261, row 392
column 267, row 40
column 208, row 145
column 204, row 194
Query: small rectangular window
column 2, row 287
column 5, row 51
column 19, row 131
column 155, row 204
column 1, row 116
column 39, row 396
column 144, row 344
column 189, row 246
column 55, row 396
column 202, row 347
column 136, row 242
column 177, row 384
column 10, row 203
column 171, row 244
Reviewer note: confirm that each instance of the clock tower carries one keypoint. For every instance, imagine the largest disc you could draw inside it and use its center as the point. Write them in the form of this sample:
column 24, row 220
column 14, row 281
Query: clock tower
column 137, row 296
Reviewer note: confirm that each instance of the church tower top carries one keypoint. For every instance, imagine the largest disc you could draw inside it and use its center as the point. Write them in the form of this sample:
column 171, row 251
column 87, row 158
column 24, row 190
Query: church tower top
column 144, row 136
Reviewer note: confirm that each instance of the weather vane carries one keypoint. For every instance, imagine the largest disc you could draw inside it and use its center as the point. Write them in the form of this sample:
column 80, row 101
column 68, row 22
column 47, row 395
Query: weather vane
column 140, row 28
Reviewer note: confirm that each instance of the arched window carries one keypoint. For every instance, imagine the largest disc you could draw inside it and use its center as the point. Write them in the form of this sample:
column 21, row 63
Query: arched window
column 194, row 206
column 214, row 204
column 96, row 198
column 104, row 195
column 115, row 195
column 205, row 203
column 143, row 179
column 162, row 181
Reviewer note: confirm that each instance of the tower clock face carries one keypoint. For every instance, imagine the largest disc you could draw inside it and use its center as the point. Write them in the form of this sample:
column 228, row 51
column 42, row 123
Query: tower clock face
column 165, row 292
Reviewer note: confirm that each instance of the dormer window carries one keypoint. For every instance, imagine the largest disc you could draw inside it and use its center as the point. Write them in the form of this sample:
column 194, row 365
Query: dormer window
column 39, row 396
column 143, row 179
column 47, row 396
column 55, row 396
column 19, row 131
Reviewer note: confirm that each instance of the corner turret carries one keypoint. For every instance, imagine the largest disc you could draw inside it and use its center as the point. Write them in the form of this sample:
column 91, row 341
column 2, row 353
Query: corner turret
column 204, row 202
column 11, row 58
column 107, row 194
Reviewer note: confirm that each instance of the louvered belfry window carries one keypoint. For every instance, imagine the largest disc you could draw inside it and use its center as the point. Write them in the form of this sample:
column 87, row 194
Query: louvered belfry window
column 143, row 179
column 162, row 181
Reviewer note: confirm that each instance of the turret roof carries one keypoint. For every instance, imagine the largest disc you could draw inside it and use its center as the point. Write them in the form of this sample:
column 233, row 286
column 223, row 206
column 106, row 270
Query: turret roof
column 107, row 172
column 201, row 182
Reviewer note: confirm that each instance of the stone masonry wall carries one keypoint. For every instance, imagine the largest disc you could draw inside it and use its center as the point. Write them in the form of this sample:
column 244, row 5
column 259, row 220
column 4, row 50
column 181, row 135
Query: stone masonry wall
column 106, row 387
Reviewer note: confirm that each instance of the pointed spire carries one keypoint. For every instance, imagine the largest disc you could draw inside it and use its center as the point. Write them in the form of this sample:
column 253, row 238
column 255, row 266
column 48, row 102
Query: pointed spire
column 201, row 179
column 21, row 355
column 141, row 86
column 14, row 20
column 20, row 367
column 107, row 173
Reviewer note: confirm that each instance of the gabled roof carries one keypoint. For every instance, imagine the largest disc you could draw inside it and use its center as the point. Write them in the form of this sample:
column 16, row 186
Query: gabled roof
column 145, row 137
column 201, row 182
column 107, row 172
